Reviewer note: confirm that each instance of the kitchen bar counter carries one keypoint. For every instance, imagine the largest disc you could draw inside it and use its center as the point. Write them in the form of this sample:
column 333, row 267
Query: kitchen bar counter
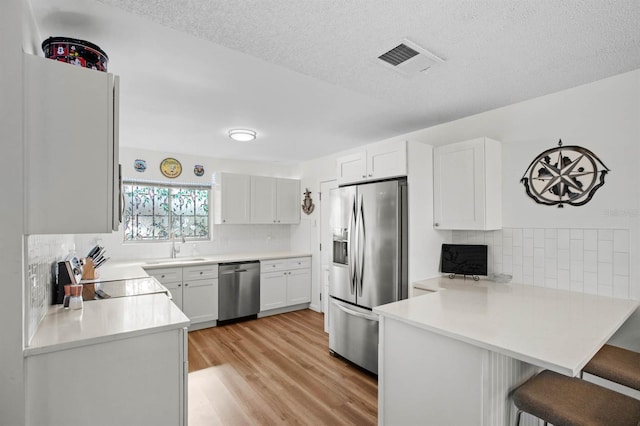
column 456, row 353
column 105, row 320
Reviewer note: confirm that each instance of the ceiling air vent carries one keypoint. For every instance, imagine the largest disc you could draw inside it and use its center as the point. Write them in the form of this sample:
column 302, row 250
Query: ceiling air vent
column 409, row 59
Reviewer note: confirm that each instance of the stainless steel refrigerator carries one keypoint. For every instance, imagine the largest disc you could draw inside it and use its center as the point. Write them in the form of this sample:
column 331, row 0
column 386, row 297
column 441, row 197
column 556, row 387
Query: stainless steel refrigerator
column 369, row 268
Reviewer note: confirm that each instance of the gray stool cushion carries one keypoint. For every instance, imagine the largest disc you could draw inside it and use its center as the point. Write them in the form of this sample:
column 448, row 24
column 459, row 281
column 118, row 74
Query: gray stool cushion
column 568, row 401
column 616, row 364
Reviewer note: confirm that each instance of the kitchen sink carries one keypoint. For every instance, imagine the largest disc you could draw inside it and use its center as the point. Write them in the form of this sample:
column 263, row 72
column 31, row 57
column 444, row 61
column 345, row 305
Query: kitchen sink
column 176, row 260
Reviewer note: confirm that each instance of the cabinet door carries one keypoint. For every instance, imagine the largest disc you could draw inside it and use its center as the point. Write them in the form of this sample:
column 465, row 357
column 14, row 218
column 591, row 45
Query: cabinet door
column 387, row 160
column 298, row 286
column 352, row 168
column 263, row 199
column 273, row 290
column 200, row 300
column 288, row 201
column 459, row 193
column 233, row 199
column 71, row 148
column 175, row 288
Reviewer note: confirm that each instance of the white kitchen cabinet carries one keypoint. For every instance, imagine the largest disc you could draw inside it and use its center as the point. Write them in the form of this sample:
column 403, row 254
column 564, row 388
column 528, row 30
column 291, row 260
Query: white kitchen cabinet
column 285, row 283
column 232, row 198
column 194, row 290
column 377, row 161
column 140, row 380
column 468, row 185
column 275, row 200
column 72, row 179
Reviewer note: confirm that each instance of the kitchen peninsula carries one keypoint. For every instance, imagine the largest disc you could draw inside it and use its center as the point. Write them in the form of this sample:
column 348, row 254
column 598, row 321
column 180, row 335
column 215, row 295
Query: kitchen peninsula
column 455, row 354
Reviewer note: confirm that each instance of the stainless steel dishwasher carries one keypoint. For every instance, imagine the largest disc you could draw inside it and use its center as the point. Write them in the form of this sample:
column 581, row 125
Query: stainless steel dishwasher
column 238, row 290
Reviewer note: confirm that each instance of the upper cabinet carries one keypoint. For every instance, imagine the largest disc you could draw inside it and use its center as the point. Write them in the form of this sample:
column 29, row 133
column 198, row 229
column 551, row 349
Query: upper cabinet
column 275, row 200
column 244, row 199
column 232, row 198
column 72, row 177
column 468, row 185
column 377, row 161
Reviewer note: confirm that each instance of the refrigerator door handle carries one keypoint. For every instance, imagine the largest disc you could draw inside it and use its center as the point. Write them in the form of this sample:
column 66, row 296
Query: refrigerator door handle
column 351, row 258
column 372, row 317
column 362, row 237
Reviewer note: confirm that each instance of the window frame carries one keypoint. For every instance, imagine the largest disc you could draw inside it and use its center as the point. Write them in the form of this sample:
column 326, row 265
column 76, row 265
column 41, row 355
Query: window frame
column 169, row 186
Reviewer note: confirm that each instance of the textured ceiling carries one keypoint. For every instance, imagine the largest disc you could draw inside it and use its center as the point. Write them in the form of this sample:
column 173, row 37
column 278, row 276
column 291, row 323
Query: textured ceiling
column 308, row 67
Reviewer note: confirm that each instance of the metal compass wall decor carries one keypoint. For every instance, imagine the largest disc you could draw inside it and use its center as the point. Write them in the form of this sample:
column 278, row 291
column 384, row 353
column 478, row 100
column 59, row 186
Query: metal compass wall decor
column 564, row 175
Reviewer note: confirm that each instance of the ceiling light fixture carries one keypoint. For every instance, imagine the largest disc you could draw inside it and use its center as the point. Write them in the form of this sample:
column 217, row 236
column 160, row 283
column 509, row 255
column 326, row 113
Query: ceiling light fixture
column 242, row 135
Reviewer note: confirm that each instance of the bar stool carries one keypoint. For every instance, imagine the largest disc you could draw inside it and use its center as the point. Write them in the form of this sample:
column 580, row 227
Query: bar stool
column 617, row 365
column 569, row 401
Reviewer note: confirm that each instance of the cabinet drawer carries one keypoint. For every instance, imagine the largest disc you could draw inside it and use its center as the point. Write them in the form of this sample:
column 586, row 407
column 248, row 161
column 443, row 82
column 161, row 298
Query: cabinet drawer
column 166, row 275
column 299, row 263
column 273, row 265
column 191, row 273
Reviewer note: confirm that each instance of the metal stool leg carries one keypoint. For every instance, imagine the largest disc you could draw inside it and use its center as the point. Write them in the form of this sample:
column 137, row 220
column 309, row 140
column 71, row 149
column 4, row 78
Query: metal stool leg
column 518, row 414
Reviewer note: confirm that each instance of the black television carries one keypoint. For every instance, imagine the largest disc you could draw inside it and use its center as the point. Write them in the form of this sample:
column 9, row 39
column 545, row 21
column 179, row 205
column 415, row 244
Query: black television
column 463, row 259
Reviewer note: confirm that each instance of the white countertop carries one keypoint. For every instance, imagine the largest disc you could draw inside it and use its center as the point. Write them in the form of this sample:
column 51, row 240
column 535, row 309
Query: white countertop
column 103, row 321
column 554, row 329
column 130, row 269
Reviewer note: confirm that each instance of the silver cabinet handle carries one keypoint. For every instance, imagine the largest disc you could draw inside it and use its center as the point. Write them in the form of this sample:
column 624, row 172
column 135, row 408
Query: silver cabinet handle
column 436, row 224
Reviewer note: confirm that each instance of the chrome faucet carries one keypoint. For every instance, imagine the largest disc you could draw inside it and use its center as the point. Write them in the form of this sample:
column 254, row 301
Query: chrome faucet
column 174, row 249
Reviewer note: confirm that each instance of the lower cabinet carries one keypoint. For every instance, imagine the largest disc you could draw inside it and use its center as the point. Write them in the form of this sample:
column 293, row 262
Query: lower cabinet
column 285, row 283
column 139, row 380
column 194, row 290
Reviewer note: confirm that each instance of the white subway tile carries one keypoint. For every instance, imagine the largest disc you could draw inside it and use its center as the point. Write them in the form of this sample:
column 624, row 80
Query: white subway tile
column 489, row 238
column 538, row 238
column 605, row 251
column 590, row 261
column 590, row 283
column 590, row 239
column 517, row 255
column 507, row 266
column 507, row 246
column 605, row 234
column 527, row 266
column 551, row 233
column 550, row 268
column 621, row 241
column 527, row 279
column 621, row 287
column 550, row 283
column 538, row 277
column 564, row 280
column 528, row 247
column 527, row 233
column 507, row 232
column 605, row 290
column 577, row 271
column 605, row 274
column 564, row 238
column 497, row 237
column 577, row 249
column 621, row 264
column 577, row 286
column 517, row 237
column 577, row 234
column 538, row 258
column 518, row 274
column 550, row 248
column 564, row 260
column 498, row 253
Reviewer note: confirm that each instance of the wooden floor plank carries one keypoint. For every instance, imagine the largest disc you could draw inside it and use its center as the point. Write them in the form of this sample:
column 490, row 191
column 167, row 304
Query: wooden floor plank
column 275, row 370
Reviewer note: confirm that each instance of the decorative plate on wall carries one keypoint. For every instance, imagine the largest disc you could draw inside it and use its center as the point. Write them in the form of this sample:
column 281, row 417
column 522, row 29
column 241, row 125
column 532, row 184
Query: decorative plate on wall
column 564, row 175
column 171, row 168
column 140, row 165
column 198, row 170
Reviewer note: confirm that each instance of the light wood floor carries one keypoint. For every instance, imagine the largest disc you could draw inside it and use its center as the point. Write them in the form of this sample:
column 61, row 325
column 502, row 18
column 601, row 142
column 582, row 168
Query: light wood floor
column 275, row 370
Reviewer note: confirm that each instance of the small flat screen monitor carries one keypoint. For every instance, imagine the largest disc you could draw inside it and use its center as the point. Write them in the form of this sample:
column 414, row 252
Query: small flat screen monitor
column 463, row 259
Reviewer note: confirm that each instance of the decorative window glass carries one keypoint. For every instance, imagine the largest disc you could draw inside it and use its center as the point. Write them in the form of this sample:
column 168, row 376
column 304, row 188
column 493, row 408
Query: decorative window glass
column 155, row 212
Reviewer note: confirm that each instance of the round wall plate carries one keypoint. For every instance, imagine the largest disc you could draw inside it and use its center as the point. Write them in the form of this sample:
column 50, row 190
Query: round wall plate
column 171, row 168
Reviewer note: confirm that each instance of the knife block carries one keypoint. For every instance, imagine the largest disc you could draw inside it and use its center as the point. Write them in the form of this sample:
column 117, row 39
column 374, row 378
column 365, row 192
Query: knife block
column 89, row 271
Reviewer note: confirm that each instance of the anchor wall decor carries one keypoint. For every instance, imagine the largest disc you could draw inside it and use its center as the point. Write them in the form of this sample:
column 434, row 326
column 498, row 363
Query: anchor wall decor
column 564, row 175
column 307, row 203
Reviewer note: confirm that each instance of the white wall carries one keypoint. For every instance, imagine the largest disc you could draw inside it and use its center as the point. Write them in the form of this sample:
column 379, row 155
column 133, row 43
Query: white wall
column 11, row 217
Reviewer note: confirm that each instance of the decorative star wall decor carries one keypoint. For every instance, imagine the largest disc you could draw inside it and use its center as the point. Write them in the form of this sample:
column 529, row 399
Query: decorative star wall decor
column 564, row 175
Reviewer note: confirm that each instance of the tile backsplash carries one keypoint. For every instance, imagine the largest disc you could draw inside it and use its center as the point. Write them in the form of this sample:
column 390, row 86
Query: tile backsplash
column 42, row 253
column 594, row 261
